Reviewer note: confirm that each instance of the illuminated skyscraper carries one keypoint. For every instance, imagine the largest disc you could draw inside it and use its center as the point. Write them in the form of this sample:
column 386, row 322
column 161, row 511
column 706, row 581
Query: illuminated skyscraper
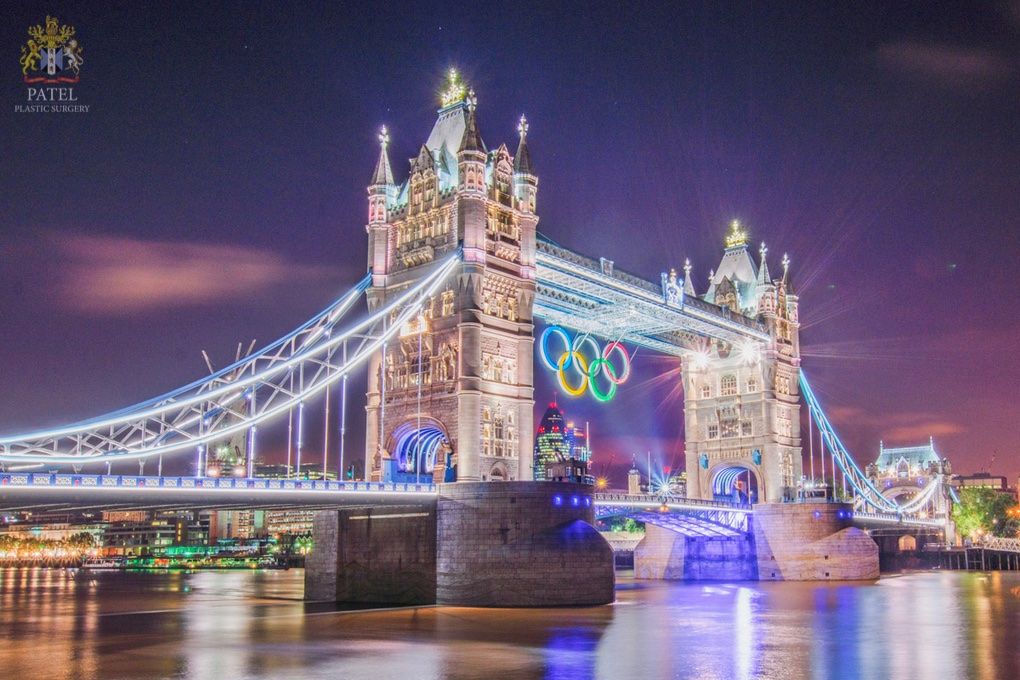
column 561, row 450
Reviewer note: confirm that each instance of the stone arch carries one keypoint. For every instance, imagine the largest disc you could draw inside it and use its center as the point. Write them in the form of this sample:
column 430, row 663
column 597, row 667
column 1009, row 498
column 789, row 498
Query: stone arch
column 907, row 543
column 735, row 481
column 499, row 473
column 417, row 445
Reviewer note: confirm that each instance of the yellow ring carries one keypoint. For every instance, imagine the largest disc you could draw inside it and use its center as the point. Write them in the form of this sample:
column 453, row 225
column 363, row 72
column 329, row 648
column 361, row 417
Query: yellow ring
column 579, row 362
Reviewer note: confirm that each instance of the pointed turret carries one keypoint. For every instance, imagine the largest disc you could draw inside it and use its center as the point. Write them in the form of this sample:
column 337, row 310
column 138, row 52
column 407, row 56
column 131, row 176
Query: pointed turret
column 380, row 192
column 522, row 161
column 472, row 140
column 763, row 269
column 383, row 175
column 525, row 182
column 688, row 282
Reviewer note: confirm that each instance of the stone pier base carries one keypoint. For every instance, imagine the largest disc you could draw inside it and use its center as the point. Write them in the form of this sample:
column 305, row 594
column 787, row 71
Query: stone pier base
column 812, row 542
column 383, row 555
column 490, row 544
column 521, row 544
column 668, row 555
column 787, row 542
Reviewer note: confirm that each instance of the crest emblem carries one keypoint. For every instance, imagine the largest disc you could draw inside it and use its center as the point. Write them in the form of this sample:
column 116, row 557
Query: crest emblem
column 52, row 54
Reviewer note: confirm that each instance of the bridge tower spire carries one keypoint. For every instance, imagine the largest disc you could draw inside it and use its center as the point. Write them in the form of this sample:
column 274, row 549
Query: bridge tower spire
column 741, row 401
column 452, row 398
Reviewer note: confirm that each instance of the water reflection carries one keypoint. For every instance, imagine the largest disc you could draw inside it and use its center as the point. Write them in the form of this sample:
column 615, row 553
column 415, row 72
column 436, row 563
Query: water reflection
column 84, row 625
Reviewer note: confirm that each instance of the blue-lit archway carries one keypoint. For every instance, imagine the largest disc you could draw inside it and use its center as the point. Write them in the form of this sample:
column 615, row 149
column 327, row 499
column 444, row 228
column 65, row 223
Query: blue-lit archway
column 416, row 450
column 735, row 483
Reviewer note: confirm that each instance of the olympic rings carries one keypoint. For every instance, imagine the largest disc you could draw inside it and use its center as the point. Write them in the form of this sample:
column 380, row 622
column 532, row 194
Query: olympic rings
column 580, row 362
column 588, row 370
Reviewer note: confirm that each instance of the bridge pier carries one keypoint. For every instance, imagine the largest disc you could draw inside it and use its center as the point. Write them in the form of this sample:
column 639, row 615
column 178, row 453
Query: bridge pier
column 786, row 542
column 672, row 556
column 812, row 542
column 483, row 544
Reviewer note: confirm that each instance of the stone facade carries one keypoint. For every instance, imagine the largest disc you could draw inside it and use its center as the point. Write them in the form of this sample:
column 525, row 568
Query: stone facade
column 465, row 368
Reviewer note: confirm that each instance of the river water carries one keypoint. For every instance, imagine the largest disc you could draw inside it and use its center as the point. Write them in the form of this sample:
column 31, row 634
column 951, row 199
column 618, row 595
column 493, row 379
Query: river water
column 226, row 625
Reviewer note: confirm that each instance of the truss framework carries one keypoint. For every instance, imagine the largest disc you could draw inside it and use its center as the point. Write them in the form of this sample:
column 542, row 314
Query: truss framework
column 275, row 379
column 594, row 297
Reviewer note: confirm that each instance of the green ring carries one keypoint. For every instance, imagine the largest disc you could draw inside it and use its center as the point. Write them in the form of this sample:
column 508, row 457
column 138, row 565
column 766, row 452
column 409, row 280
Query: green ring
column 593, row 368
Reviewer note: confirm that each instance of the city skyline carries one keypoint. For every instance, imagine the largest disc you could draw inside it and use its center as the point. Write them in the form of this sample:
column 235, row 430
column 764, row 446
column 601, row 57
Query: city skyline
column 195, row 232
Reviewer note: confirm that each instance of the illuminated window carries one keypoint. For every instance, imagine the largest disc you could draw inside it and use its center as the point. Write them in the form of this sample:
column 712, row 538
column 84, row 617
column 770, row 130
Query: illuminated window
column 729, row 429
column 713, row 431
column 728, row 385
column 706, row 391
column 752, row 384
column 745, row 428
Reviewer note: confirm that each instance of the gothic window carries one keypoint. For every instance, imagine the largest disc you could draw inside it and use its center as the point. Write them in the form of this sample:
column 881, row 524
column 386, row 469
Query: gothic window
column 728, row 428
column 728, row 385
column 706, row 391
column 783, row 426
column 752, row 384
column 713, row 431
column 486, row 431
column 745, row 428
column 447, row 302
column 787, row 469
column 498, row 434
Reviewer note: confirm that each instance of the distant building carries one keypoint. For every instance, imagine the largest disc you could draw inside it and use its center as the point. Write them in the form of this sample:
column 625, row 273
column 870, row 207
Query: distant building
column 982, row 480
column 634, row 480
column 905, row 473
column 908, row 461
column 561, row 450
column 158, row 531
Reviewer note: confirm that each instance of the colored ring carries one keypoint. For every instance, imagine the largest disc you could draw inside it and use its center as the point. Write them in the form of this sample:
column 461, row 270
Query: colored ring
column 574, row 357
column 582, row 364
column 593, row 371
column 544, row 345
column 621, row 377
column 578, row 343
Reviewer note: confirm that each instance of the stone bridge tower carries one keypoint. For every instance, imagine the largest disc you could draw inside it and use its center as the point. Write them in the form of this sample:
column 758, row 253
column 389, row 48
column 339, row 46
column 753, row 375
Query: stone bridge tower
column 742, row 403
column 451, row 397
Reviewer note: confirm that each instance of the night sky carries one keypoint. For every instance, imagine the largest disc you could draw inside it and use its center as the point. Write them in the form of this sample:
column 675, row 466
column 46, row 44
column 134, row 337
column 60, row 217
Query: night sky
column 215, row 190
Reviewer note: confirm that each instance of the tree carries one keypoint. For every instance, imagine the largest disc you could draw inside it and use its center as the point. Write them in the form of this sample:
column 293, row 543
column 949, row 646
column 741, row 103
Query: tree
column 985, row 511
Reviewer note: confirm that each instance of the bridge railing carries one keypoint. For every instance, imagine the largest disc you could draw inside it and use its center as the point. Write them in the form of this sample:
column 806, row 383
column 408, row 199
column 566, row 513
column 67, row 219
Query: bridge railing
column 653, row 499
column 1000, row 543
column 894, row 518
column 86, row 481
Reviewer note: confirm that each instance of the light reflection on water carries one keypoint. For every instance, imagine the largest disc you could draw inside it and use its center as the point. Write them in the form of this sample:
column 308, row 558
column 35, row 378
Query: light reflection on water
column 225, row 625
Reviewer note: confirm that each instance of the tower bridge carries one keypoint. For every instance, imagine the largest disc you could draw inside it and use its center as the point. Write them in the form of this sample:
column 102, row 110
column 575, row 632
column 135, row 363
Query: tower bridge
column 457, row 278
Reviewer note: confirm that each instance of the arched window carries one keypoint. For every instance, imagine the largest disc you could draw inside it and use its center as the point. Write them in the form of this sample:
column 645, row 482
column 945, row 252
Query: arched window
column 728, row 385
column 498, row 435
column 752, row 384
column 706, row 391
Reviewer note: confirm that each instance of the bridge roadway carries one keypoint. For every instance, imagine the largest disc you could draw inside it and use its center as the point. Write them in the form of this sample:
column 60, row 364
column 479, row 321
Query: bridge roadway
column 57, row 492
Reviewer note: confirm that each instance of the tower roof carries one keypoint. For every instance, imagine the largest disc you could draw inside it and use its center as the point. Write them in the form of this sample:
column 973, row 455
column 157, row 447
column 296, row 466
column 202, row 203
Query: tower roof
column 738, row 267
column 763, row 269
column 915, row 456
column 472, row 139
column 522, row 161
column 383, row 174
